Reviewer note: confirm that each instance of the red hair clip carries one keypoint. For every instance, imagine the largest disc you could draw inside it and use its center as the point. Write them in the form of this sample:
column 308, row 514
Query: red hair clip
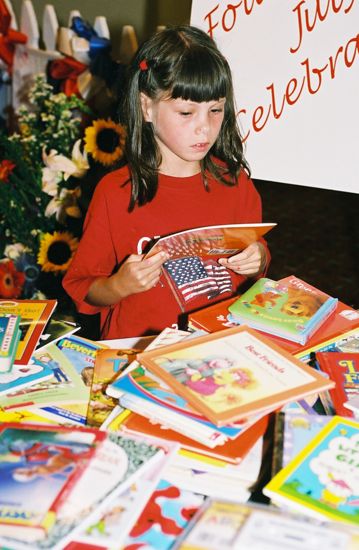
column 143, row 65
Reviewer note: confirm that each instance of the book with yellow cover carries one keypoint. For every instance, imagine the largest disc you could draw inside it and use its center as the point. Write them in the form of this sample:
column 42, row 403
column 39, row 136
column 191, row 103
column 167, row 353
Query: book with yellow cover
column 322, row 481
column 232, row 374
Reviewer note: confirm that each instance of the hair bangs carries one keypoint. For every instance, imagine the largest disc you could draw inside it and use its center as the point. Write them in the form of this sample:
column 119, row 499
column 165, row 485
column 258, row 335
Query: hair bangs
column 200, row 78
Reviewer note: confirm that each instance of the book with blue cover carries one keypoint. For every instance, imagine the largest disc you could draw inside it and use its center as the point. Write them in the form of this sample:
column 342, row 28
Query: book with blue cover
column 289, row 308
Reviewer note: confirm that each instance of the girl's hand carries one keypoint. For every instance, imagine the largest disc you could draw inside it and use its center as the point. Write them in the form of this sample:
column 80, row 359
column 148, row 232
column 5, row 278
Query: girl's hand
column 137, row 274
column 251, row 261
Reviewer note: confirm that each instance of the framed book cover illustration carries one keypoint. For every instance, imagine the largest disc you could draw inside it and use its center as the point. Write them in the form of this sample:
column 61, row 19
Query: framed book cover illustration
column 322, row 481
column 233, row 374
column 288, row 309
column 34, row 316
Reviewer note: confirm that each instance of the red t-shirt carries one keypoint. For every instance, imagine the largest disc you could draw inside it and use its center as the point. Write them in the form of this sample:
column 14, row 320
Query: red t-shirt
column 111, row 233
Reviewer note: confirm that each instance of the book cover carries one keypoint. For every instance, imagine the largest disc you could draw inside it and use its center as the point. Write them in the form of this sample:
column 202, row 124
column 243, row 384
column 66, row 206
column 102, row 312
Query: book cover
column 211, row 241
column 228, row 525
column 343, row 369
column 9, row 339
column 344, row 319
column 140, row 391
column 64, row 391
column 289, row 309
column 322, row 480
column 231, row 451
column 45, row 461
column 34, row 316
column 109, row 363
column 192, row 270
column 232, row 374
column 111, row 522
column 81, row 352
column 22, row 376
column 164, row 517
column 293, row 431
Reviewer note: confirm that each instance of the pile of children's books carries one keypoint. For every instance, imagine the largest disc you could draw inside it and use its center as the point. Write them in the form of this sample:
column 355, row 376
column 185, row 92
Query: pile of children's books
column 166, row 444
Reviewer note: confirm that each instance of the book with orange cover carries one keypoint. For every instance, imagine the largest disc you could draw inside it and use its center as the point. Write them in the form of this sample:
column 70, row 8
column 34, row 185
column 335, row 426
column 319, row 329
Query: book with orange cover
column 343, row 369
column 216, row 317
column 34, row 316
column 233, row 374
column 231, row 451
column 211, row 241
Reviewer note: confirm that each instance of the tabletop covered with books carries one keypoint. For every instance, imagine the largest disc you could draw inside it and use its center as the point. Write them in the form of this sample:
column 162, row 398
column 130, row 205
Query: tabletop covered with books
column 161, row 442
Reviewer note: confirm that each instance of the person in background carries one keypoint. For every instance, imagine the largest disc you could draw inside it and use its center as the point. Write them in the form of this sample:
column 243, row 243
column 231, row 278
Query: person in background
column 185, row 168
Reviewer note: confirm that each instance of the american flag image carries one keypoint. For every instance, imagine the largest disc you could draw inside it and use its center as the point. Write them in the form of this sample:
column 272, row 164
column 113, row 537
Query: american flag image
column 194, row 277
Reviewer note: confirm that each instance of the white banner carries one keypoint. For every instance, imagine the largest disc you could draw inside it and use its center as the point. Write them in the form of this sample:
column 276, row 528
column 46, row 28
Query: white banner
column 295, row 65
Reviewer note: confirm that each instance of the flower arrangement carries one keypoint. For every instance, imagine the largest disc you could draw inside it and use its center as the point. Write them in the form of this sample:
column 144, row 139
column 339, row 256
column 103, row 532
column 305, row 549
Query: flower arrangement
column 47, row 173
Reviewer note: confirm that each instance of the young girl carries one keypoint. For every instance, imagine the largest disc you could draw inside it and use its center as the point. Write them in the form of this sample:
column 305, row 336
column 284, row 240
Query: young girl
column 185, row 169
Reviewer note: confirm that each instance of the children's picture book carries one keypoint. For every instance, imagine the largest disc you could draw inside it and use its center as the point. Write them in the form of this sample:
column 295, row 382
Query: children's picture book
column 343, row 369
column 110, row 523
column 232, row 374
column 213, row 240
column 63, row 395
column 34, row 316
column 228, row 525
column 231, row 451
column 109, row 363
column 164, row 517
column 293, row 430
column 54, row 330
column 342, row 321
column 322, row 481
column 39, row 467
column 22, row 376
column 82, row 354
column 9, row 339
column 192, row 270
column 289, row 309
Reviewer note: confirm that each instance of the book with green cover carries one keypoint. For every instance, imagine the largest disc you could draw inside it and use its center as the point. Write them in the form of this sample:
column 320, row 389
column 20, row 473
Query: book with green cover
column 291, row 309
column 322, row 480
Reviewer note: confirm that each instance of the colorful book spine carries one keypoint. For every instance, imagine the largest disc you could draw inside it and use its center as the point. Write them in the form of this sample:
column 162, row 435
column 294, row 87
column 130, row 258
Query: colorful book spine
column 9, row 339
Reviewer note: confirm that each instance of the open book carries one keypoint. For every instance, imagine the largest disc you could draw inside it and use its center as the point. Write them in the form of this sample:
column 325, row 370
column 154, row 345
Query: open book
column 213, row 240
column 192, row 270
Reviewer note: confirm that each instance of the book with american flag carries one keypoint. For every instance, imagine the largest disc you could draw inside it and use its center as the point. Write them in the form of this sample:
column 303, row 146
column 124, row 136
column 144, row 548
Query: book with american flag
column 193, row 271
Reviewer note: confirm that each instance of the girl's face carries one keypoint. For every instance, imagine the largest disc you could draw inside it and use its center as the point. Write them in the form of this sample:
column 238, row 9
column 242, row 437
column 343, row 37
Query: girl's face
column 184, row 130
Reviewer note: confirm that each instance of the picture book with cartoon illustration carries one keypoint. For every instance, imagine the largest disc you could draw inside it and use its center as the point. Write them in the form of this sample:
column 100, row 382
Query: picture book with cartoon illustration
column 232, row 374
column 38, row 465
column 290, row 309
column 323, row 479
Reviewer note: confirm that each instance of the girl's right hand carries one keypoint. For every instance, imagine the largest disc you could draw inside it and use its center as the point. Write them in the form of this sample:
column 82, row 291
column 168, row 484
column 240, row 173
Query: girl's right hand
column 138, row 274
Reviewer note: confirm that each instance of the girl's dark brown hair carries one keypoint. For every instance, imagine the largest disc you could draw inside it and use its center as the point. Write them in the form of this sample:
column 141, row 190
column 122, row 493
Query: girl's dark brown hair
column 179, row 62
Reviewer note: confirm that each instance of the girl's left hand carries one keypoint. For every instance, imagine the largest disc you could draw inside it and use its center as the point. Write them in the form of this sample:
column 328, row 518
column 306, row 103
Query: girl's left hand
column 251, row 261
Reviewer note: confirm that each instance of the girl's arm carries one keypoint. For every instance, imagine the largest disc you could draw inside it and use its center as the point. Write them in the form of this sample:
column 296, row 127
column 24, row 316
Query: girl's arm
column 135, row 275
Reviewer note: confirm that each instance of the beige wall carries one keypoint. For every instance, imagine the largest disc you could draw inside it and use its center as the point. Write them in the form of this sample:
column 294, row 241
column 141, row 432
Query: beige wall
column 144, row 15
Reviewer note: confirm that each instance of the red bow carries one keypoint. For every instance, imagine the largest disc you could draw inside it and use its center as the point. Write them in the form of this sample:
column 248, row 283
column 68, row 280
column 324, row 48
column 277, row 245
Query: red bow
column 8, row 37
column 67, row 69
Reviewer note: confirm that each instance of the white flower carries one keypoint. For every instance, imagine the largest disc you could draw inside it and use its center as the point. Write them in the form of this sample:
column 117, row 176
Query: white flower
column 77, row 166
column 50, row 180
column 13, row 251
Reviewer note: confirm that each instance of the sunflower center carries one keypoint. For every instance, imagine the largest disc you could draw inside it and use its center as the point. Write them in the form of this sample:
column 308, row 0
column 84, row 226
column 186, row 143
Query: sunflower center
column 107, row 140
column 59, row 253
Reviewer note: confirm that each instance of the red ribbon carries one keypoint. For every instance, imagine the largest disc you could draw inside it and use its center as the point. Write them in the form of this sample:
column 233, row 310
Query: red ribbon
column 8, row 37
column 67, row 69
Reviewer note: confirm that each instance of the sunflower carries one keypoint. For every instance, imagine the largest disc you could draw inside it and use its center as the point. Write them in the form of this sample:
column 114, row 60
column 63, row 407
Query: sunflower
column 11, row 280
column 56, row 251
column 105, row 141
